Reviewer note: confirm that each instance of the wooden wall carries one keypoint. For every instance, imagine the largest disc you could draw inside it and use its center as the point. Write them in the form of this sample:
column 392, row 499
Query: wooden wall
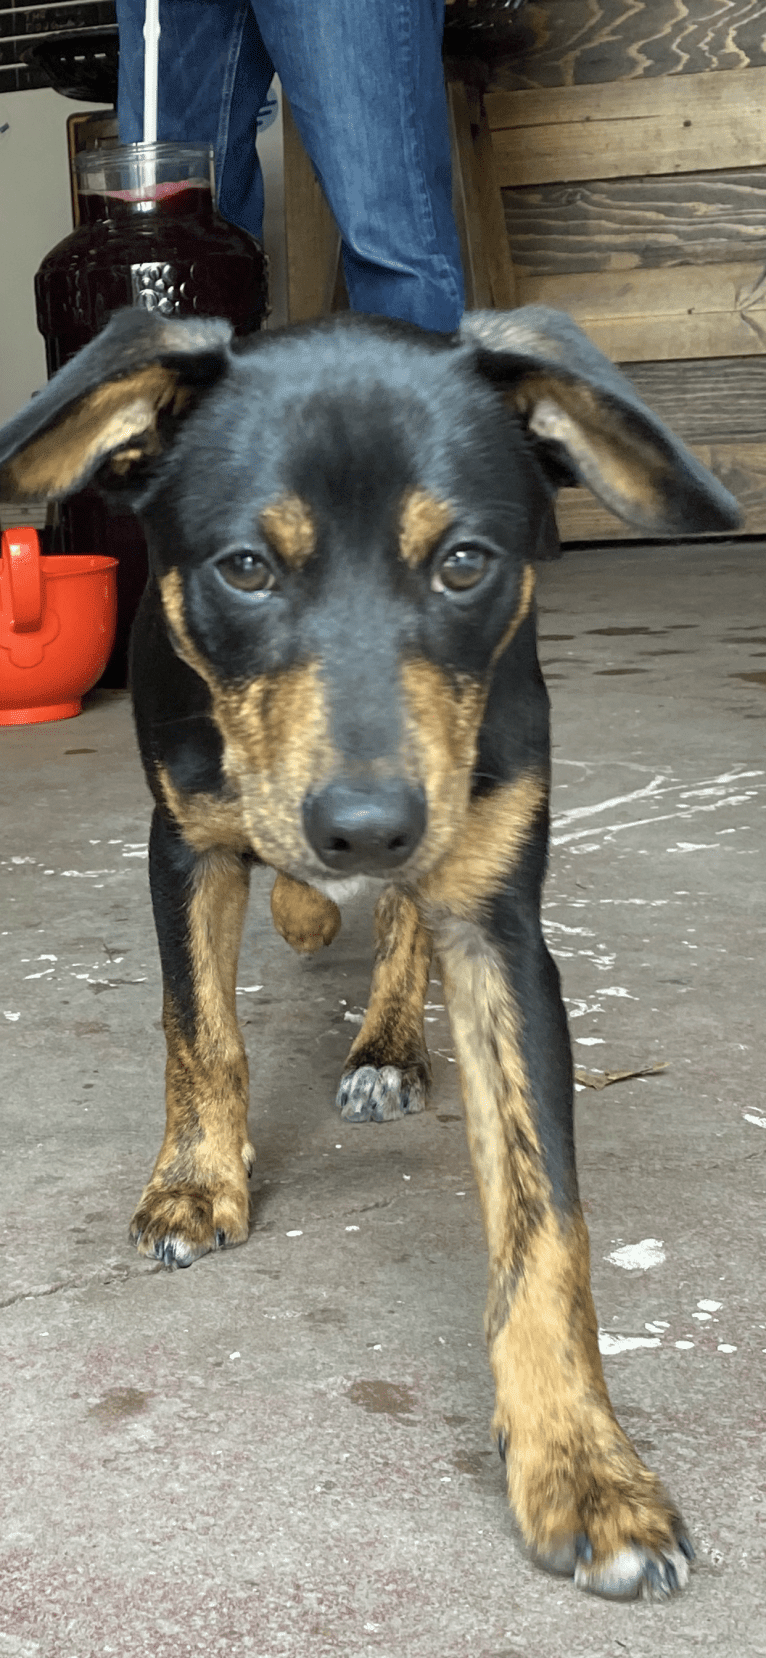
column 630, row 144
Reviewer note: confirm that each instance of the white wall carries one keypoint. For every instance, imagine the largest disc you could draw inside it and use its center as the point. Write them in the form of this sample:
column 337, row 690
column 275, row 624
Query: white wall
column 35, row 213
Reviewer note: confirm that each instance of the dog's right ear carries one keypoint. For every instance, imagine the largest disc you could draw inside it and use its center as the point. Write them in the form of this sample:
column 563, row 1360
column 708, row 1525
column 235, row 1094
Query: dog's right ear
column 114, row 407
column 588, row 425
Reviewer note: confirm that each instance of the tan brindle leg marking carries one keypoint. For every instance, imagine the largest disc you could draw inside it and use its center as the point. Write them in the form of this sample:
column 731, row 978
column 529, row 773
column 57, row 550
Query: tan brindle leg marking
column 197, row 1197
column 303, row 916
column 572, row 1472
column 392, row 1040
column 571, row 1469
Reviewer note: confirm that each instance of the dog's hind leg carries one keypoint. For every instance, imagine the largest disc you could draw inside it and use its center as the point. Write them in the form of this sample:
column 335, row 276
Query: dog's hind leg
column 586, row 1504
column 387, row 1071
column 197, row 1198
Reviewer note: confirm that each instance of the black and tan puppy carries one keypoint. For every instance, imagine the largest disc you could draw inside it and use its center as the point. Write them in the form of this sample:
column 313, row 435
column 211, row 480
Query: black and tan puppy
column 334, row 673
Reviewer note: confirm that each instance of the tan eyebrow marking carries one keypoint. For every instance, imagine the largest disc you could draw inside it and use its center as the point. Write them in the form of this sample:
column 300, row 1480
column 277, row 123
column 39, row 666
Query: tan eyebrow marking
column 423, row 521
column 288, row 524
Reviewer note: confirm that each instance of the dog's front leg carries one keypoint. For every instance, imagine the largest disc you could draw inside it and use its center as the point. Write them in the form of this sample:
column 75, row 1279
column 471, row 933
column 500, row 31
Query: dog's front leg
column 585, row 1503
column 387, row 1072
column 197, row 1198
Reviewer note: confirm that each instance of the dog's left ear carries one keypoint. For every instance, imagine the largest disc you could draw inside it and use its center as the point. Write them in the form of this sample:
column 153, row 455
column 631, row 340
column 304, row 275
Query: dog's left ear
column 114, row 408
column 587, row 423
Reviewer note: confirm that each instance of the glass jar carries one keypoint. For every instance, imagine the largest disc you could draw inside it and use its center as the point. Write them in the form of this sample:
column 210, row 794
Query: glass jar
column 149, row 234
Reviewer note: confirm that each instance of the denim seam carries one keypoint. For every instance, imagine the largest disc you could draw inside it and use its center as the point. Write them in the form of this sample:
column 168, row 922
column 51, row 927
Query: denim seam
column 227, row 90
column 414, row 136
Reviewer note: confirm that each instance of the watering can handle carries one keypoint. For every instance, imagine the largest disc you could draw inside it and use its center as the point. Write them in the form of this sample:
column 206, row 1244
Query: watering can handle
column 21, row 556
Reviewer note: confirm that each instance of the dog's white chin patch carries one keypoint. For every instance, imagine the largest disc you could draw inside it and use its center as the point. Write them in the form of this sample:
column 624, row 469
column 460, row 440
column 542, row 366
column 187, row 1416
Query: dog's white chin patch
column 341, row 888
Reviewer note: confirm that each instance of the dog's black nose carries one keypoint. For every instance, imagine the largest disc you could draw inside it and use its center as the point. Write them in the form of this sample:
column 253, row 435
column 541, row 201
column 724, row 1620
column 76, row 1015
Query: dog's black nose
column 365, row 831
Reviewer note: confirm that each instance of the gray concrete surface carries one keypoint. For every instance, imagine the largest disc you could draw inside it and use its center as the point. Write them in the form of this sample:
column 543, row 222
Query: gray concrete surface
column 285, row 1450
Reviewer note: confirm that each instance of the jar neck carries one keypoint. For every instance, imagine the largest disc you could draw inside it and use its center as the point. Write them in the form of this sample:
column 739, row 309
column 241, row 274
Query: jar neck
column 145, row 182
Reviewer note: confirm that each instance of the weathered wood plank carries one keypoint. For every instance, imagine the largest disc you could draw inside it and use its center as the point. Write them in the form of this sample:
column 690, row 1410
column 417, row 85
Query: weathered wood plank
column 466, row 200
column 741, row 467
column 312, row 237
column 643, row 316
column 497, row 251
column 581, row 42
column 718, row 401
column 699, row 219
column 629, row 129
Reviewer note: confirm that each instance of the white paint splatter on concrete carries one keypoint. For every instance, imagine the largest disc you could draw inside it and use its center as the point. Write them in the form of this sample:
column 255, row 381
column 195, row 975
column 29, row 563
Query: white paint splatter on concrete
column 710, row 1306
column 650, row 903
column 750, row 1117
column 638, row 1257
column 693, row 846
column 709, row 796
column 84, row 874
column 607, row 1343
column 652, row 788
column 560, row 927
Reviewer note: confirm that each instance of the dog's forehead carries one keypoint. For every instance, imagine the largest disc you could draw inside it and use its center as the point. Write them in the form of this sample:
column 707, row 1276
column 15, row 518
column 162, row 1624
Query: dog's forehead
column 300, row 412
column 349, row 425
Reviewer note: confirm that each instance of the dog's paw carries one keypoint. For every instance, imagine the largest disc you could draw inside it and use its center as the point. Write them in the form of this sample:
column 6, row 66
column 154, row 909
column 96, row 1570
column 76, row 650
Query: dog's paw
column 604, row 1521
column 371, row 1095
column 635, row 1572
column 177, row 1224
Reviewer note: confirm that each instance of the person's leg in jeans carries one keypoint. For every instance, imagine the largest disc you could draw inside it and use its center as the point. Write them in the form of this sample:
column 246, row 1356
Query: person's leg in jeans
column 366, row 88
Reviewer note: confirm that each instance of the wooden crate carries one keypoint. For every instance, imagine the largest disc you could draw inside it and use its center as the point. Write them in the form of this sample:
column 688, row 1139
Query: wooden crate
column 630, row 147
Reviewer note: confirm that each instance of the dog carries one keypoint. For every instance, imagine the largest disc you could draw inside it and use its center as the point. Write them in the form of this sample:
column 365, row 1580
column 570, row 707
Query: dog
column 334, row 673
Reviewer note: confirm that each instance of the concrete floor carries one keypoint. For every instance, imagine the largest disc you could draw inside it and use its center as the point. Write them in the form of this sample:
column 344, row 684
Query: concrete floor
column 285, row 1450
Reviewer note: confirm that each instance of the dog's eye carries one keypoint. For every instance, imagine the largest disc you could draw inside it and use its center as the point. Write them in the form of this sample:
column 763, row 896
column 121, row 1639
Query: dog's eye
column 248, row 572
column 461, row 569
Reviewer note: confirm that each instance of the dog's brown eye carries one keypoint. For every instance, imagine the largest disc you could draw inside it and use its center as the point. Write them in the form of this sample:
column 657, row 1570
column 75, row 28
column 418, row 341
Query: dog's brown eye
column 248, row 572
column 461, row 569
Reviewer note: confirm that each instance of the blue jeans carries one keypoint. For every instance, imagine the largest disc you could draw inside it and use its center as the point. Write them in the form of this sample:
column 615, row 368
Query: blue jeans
column 365, row 83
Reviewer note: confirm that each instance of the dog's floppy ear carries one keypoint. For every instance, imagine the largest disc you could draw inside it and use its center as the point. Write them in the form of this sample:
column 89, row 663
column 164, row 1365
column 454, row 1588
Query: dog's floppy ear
column 589, row 426
column 113, row 406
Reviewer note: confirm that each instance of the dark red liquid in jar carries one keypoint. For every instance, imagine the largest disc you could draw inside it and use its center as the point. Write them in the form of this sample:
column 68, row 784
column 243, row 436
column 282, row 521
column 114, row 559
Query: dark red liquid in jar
column 162, row 246
column 190, row 198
